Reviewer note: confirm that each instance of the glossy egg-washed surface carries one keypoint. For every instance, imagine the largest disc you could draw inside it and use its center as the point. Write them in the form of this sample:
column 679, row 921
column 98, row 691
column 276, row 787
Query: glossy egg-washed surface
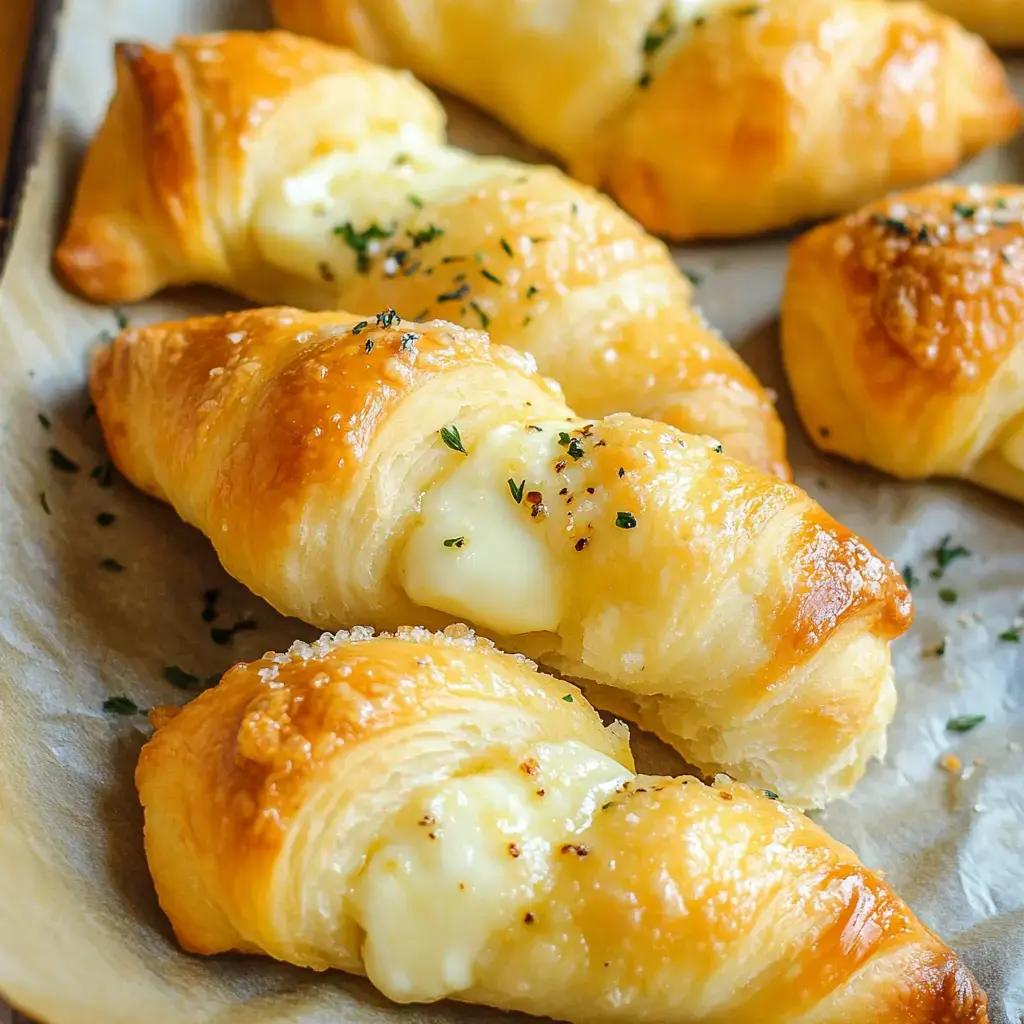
column 999, row 21
column 902, row 334
column 329, row 789
column 705, row 117
column 741, row 621
column 232, row 136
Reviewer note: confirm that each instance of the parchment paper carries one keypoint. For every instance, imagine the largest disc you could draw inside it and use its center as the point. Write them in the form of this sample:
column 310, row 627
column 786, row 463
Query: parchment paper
column 81, row 936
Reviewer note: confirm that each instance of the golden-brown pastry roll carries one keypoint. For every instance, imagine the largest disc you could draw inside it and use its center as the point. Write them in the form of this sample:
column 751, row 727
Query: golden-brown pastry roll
column 294, row 172
column 1000, row 21
column 902, row 339
column 372, row 470
column 705, row 117
column 441, row 817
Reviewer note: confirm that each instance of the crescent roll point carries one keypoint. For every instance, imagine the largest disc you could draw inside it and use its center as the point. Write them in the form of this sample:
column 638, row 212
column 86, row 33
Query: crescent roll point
column 290, row 171
column 901, row 338
column 428, row 811
column 705, row 119
column 369, row 469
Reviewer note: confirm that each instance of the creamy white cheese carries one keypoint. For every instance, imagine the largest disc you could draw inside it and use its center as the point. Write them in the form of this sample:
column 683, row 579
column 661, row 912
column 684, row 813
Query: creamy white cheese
column 383, row 182
column 499, row 570
column 469, row 857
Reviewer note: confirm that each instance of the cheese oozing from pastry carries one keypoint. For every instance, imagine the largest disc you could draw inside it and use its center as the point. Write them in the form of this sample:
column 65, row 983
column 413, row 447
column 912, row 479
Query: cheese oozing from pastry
column 373, row 189
column 477, row 552
column 466, row 858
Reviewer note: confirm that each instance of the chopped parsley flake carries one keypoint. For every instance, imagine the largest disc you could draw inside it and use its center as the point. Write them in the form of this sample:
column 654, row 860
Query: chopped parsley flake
column 625, row 520
column 103, row 475
column 1011, row 636
column 326, row 271
column 452, row 438
column 939, row 650
column 120, row 705
column 517, row 491
column 368, row 347
column 568, row 698
column 177, row 676
column 622, row 472
column 44, row 420
column 60, row 461
column 532, row 291
column 111, row 565
column 964, row 723
column 44, row 503
column 910, row 577
column 106, row 518
column 359, row 241
column 948, row 596
column 964, row 210
column 692, row 276
column 221, row 635
column 408, row 340
column 361, row 326
column 575, row 449
column 415, row 201
column 425, row 235
column 455, row 542
column 770, row 794
column 893, row 224
column 388, row 318
column 563, row 438
column 506, row 246
column 210, row 598
column 946, row 554
column 453, row 296
column 485, row 320
column 717, row 448
column 490, row 277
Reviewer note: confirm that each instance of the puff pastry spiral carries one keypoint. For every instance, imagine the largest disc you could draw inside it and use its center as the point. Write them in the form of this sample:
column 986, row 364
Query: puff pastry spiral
column 902, row 335
column 705, row 117
column 390, row 473
column 294, row 172
column 435, row 814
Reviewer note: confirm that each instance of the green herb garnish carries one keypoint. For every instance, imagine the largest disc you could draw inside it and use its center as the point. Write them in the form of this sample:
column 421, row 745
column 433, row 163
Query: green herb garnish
column 964, row 723
column 415, row 201
column 506, row 246
column 455, row 542
column 964, row 210
column 517, row 492
column 388, row 318
column 945, row 554
column 221, row 635
column 359, row 241
column 106, row 518
column 44, row 503
column 425, row 235
column 452, row 438
column 770, row 794
column 361, row 326
column 899, row 227
column 910, row 577
column 120, row 706
column 948, row 596
column 490, row 277
column 111, row 565
column 44, row 420
column 1011, row 636
column 485, row 320
column 177, row 676
column 408, row 340
column 575, row 449
column 532, row 291
column 625, row 520
column 568, row 698
column 60, row 461
column 453, row 296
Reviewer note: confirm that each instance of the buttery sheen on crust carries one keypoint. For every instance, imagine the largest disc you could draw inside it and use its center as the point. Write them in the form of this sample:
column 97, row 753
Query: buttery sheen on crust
column 441, row 817
column 1000, row 21
column 705, row 117
column 903, row 335
column 290, row 171
column 355, row 469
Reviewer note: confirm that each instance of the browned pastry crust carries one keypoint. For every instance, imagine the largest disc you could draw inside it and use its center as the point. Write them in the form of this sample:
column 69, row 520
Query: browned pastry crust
column 902, row 335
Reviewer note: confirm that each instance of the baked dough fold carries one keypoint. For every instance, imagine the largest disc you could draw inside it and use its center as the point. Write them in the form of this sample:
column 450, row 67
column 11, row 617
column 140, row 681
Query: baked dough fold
column 290, row 171
column 372, row 470
column 705, row 118
column 438, row 815
column 902, row 335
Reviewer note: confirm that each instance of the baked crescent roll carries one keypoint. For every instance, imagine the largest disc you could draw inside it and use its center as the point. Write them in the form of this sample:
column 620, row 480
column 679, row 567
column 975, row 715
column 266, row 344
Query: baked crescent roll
column 441, row 817
column 390, row 472
column 704, row 117
column 902, row 335
column 999, row 21
column 290, row 171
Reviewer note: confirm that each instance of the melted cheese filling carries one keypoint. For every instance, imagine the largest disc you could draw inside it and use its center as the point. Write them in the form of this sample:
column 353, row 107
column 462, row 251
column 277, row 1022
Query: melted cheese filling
column 478, row 554
column 382, row 183
column 468, row 858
